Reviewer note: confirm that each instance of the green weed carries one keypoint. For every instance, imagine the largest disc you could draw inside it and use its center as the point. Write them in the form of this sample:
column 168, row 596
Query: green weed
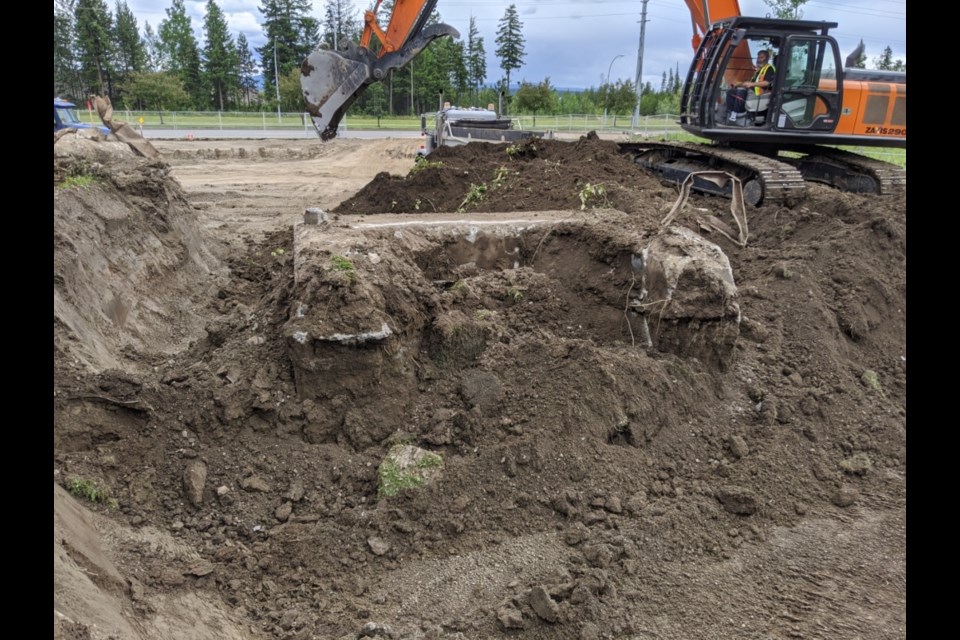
column 514, row 295
column 590, row 193
column 422, row 164
column 475, row 195
column 500, row 176
column 92, row 491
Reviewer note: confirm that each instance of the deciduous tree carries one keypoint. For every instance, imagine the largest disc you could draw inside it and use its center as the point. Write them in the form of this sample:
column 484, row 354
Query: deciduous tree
column 786, row 9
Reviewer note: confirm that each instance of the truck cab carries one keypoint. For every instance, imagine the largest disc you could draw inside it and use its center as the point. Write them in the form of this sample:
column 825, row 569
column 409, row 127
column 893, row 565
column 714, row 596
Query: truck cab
column 65, row 117
column 455, row 126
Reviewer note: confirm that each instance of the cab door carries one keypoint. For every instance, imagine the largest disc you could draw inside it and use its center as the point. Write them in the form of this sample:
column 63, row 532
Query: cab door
column 811, row 93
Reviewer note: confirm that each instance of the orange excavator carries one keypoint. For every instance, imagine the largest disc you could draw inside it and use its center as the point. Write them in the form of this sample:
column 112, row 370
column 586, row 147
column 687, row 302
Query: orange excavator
column 785, row 132
column 771, row 139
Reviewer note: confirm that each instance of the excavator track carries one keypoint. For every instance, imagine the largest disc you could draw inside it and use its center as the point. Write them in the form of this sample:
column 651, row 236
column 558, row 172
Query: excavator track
column 851, row 171
column 765, row 180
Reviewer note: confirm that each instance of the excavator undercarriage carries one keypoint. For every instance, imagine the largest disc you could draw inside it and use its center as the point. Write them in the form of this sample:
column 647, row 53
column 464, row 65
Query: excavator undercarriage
column 767, row 177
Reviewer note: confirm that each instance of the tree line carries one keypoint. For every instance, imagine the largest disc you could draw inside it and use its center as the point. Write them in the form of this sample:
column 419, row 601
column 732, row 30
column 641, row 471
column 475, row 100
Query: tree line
column 99, row 49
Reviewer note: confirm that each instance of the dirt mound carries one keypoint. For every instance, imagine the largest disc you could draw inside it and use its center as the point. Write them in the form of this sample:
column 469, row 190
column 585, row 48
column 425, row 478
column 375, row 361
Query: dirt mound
column 126, row 242
column 587, row 486
column 528, row 176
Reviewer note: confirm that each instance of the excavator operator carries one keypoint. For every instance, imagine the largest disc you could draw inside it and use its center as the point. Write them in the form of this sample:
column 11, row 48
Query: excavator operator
column 761, row 83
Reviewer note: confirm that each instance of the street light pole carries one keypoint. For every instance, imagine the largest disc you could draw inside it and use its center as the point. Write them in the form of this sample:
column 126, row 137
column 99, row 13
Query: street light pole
column 606, row 92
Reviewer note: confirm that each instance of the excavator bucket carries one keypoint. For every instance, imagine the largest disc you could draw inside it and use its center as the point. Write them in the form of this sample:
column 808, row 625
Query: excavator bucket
column 332, row 80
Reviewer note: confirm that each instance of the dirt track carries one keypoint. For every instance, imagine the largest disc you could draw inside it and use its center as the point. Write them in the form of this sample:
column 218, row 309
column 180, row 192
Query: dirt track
column 591, row 488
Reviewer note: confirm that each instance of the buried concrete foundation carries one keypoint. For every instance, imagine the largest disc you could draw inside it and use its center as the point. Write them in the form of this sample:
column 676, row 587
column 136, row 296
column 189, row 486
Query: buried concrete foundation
column 382, row 303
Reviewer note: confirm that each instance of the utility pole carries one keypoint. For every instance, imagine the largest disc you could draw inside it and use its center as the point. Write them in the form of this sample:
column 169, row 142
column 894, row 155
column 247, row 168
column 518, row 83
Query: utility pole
column 276, row 77
column 638, row 87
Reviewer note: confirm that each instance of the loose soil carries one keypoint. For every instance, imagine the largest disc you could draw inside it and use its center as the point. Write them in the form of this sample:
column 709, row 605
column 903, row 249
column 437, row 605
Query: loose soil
column 591, row 487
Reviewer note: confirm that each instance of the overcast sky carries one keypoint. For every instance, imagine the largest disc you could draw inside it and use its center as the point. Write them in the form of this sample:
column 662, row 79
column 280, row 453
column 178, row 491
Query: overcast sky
column 575, row 42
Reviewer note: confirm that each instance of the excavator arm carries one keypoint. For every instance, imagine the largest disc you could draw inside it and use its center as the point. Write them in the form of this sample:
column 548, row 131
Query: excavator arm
column 332, row 80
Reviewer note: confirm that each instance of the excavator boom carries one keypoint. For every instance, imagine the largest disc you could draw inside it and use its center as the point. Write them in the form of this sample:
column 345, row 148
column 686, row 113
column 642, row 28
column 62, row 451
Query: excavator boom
column 703, row 13
column 332, row 80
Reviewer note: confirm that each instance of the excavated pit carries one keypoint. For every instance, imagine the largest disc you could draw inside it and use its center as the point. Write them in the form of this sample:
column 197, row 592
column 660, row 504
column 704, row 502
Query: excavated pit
column 240, row 412
column 358, row 340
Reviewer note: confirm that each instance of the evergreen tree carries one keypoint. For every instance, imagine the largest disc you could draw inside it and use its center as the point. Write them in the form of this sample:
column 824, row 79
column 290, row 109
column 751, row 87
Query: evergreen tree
column 341, row 23
column 219, row 56
column 246, row 70
column 65, row 77
column 94, row 45
column 510, row 41
column 460, row 76
column 886, row 62
column 622, row 98
column 153, row 49
column 181, row 51
column 476, row 62
column 130, row 51
column 291, row 35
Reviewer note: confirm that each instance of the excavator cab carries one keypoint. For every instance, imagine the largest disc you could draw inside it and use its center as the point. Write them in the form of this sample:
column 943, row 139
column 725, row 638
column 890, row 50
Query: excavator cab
column 807, row 91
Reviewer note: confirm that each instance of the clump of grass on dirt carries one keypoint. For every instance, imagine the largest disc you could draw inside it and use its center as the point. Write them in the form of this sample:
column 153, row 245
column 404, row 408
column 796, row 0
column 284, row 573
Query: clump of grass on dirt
column 514, row 295
column 78, row 175
column 393, row 479
column 92, row 491
column 871, row 380
column 345, row 266
column 77, row 182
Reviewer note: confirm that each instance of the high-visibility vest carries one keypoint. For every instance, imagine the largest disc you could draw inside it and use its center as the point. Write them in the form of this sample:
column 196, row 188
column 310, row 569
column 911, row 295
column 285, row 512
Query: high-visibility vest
column 758, row 76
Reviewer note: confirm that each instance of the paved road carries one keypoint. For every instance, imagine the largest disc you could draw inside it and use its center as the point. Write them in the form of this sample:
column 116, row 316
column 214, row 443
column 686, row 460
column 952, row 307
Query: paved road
column 259, row 134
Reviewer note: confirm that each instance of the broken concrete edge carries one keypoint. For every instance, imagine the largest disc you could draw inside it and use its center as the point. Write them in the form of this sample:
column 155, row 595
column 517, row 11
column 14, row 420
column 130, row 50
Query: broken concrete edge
column 346, row 338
